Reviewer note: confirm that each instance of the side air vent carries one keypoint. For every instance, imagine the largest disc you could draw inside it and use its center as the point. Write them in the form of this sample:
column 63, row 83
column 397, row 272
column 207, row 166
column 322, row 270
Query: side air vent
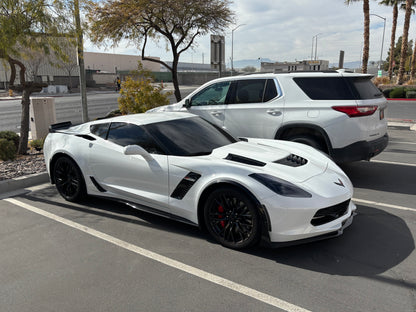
column 245, row 160
column 185, row 185
column 292, row 160
column 86, row 136
column 97, row 185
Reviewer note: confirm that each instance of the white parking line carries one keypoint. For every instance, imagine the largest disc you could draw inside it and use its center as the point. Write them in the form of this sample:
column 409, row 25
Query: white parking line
column 411, row 143
column 370, row 202
column 393, row 163
column 247, row 291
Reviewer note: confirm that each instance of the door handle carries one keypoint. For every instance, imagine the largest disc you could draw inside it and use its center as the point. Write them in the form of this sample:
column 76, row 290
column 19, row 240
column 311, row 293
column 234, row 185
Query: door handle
column 274, row 112
column 216, row 113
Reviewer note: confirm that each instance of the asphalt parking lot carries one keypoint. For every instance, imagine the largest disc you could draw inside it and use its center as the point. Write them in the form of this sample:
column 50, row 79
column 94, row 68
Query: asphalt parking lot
column 105, row 256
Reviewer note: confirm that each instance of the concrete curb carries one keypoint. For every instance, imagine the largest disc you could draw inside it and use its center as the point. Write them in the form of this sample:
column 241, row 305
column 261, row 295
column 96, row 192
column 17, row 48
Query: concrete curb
column 11, row 186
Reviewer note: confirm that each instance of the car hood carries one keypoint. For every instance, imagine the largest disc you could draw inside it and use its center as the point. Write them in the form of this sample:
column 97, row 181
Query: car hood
column 168, row 108
column 291, row 161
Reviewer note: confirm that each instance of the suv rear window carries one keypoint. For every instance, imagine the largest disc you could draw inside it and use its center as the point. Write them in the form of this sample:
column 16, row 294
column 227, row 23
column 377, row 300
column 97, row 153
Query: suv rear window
column 338, row 88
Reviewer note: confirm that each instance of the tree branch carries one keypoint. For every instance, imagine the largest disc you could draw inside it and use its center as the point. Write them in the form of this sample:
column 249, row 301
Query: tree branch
column 144, row 58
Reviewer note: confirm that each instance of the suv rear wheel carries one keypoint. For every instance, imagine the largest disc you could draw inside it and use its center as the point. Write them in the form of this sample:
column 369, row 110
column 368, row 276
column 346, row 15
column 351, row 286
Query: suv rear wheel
column 308, row 140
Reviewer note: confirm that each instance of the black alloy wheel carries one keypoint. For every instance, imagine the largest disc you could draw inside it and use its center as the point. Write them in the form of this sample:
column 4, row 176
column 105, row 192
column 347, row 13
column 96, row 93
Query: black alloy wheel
column 231, row 218
column 69, row 180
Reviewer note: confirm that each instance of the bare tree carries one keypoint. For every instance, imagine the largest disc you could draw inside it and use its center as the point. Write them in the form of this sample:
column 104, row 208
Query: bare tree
column 177, row 22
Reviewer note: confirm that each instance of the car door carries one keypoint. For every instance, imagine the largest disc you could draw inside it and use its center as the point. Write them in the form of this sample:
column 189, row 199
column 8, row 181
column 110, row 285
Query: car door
column 210, row 102
column 255, row 108
column 130, row 176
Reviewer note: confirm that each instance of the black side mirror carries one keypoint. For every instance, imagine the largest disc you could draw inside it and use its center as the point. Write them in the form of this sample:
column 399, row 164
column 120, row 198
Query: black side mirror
column 187, row 103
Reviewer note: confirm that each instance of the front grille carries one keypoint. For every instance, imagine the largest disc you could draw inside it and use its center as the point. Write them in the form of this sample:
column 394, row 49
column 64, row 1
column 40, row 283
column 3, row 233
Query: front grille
column 329, row 214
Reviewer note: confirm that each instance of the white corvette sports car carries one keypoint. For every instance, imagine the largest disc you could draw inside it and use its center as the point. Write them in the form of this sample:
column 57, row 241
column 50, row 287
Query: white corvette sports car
column 179, row 166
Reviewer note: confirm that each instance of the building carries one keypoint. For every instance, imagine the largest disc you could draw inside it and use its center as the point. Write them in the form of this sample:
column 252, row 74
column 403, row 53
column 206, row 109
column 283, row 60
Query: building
column 306, row 65
column 114, row 63
column 54, row 71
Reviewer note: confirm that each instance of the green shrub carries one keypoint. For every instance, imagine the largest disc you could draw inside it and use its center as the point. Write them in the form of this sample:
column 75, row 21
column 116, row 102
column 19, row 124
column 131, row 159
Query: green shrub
column 7, row 150
column 411, row 94
column 397, row 93
column 138, row 94
column 10, row 136
column 37, row 144
column 386, row 92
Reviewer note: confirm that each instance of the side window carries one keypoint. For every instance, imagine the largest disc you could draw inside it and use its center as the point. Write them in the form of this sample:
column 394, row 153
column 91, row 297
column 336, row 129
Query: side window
column 270, row 92
column 325, row 88
column 125, row 134
column 250, row 91
column 100, row 129
column 214, row 94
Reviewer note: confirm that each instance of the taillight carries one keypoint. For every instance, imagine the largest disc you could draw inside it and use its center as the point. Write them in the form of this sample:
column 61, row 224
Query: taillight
column 356, row 111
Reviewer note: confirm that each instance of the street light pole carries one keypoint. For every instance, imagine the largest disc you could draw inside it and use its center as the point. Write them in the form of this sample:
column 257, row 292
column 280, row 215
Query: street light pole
column 232, row 48
column 80, row 56
column 315, row 39
column 382, row 42
column 316, row 44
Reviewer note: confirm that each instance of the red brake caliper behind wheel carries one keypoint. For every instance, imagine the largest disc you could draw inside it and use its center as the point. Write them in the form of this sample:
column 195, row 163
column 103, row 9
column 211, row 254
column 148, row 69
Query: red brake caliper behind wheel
column 220, row 216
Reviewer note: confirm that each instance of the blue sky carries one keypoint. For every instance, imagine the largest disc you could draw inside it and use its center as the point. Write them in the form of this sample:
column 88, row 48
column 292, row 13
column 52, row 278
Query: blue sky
column 282, row 30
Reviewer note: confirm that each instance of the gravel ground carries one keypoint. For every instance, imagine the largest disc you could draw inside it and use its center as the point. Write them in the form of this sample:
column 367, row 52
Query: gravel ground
column 22, row 165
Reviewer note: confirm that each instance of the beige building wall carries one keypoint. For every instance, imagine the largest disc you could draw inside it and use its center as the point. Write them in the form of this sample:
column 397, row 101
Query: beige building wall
column 111, row 63
column 306, row 65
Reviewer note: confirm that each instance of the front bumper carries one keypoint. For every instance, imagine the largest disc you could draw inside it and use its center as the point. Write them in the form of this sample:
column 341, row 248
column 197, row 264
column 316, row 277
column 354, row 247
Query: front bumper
column 296, row 227
column 333, row 234
column 363, row 150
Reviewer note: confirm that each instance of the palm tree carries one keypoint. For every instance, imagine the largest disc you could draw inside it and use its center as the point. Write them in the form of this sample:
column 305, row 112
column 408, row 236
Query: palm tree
column 405, row 36
column 395, row 5
column 366, row 48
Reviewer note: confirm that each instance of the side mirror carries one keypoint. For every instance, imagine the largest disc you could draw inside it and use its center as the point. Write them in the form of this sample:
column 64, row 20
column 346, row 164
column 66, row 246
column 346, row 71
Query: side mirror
column 187, row 103
column 137, row 150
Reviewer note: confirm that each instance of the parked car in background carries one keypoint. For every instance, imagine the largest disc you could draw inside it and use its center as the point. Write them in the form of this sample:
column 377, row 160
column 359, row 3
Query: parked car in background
column 337, row 112
column 179, row 166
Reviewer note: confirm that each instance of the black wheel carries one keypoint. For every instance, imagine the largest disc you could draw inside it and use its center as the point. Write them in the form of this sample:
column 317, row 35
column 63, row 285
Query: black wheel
column 69, row 180
column 308, row 140
column 231, row 218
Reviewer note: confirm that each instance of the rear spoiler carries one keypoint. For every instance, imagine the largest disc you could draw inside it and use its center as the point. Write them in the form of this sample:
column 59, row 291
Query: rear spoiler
column 59, row 126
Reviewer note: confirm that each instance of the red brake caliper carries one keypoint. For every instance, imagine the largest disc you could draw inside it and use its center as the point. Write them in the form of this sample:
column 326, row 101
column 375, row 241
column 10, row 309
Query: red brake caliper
column 220, row 216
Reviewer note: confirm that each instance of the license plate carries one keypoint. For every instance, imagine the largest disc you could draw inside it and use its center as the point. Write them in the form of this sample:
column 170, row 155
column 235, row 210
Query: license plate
column 381, row 114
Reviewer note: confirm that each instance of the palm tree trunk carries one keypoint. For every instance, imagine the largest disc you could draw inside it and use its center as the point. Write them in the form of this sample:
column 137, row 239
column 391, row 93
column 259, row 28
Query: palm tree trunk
column 393, row 39
column 405, row 37
column 412, row 67
column 366, row 48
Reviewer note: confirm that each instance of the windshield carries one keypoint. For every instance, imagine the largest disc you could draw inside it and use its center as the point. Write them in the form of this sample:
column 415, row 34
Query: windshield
column 189, row 136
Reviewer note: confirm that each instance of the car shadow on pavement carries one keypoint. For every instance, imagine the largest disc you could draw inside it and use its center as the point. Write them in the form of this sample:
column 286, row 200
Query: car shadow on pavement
column 382, row 177
column 375, row 242
column 106, row 208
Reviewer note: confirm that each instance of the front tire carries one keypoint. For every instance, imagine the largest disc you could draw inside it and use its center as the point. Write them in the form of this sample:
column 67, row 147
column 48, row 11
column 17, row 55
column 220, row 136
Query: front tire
column 231, row 218
column 69, row 180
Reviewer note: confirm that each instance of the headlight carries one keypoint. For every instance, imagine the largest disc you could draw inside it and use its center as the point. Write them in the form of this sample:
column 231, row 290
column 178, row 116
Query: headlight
column 280, row 186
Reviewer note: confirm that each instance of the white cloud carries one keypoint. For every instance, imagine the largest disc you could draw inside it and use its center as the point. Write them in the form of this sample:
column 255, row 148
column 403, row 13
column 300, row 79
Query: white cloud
column 282, row 30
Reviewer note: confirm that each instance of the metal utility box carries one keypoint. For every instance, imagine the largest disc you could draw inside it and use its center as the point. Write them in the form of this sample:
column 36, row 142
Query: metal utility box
column 42, row 115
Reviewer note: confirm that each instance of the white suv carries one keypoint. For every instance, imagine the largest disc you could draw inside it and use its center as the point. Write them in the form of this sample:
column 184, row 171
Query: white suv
column 337, row 112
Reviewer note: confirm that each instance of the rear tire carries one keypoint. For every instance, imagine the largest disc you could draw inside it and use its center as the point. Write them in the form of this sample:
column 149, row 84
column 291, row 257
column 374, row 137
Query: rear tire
column 69, row 180
column 231, row 218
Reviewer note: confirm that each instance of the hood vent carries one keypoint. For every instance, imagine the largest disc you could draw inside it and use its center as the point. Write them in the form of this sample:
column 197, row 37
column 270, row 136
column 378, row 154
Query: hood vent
column 245, row 160
column 292, row 160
